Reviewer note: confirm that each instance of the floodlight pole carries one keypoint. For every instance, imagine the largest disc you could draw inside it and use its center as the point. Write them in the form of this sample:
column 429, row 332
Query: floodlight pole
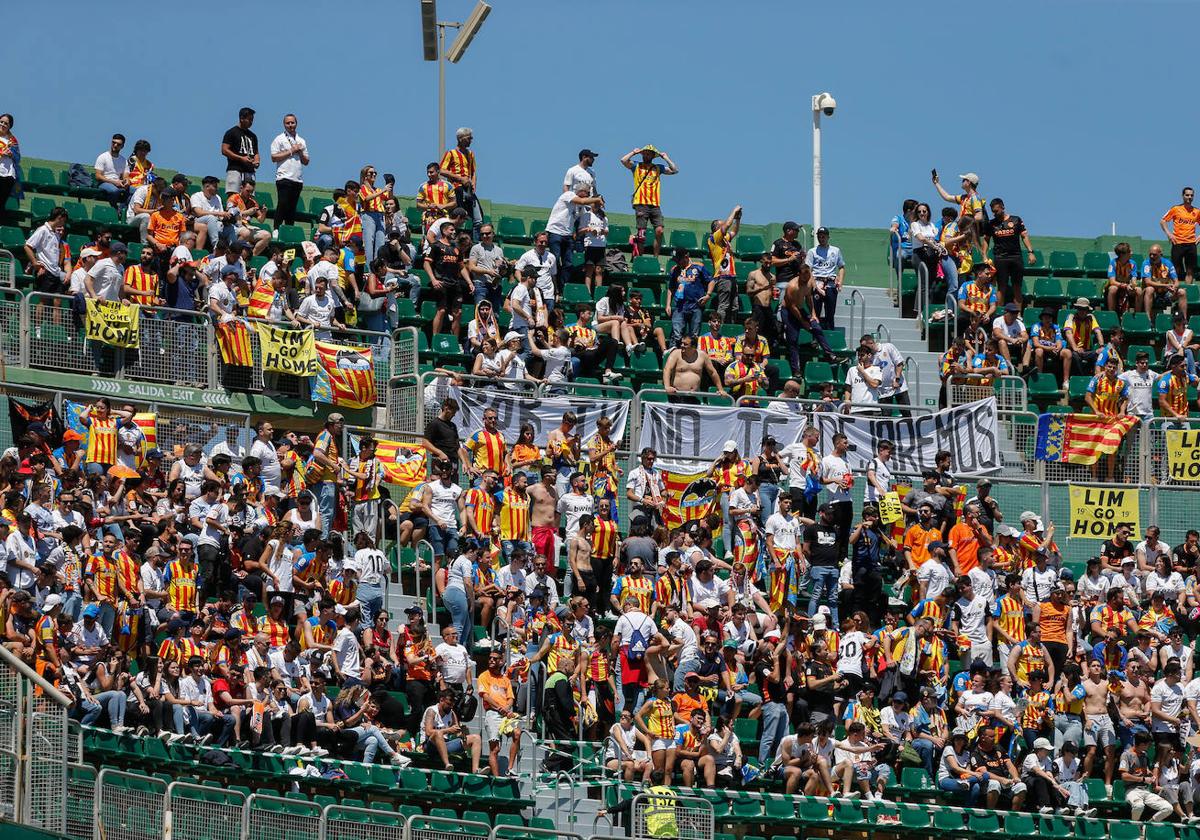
column 442, row 26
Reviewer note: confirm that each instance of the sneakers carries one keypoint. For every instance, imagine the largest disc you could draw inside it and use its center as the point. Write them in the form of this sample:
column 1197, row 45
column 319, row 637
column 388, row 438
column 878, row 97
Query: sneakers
column 611, row 376
column 640, row 347
column 318, row 753
column 401, row 761
column 203, row 740
column 276, row 748
column 119, row 729
column 1086, row 812
column 1046, row 810
column 1108, row 791
column 141, row 732
column 295, row 750
column 940, row 315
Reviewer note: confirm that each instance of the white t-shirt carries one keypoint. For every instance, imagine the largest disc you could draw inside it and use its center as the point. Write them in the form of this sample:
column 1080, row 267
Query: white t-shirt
column 1170, row 698
column 589, row 218
column 1141, row 391
column 321, row 268
column 205, row 206
column 290, row 168
column 47, row 247
column 223, row 295
column 211, row 515
column 572, row 506
column 896, row 723
column 963, row 760
column 883, row 475
column 455, row 660
column 850, row 652
column 1037, row 585
column 563, row 215
column 972, row 616
column 348, row 652
column 558, row 363
column 138, row 199
column 833, row 467
column 631, row 621
column 371, row 565
column 520, row 297
column 107, row 279
column 935, row 575
column 741, row 499
column 265, row 452
column 458, row 573
column 984, row 583
column 682, row 634
column 19, row 547
column 110, row 166
column 888, row 359
column 579, row 176
column 1012, row 330
column 547, row 267
column 825, row 261
column 860, row 391
column 784, row 529
column 1004, row 705
column 78, row 284
column 444, row 501
column 318, row 310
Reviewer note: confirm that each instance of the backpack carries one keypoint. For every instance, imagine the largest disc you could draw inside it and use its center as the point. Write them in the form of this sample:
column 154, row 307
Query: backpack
column 79, row 176
column 638, row 643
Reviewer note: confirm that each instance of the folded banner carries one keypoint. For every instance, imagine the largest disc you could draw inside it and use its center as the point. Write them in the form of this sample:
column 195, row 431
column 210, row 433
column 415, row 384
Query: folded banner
column 544, row 414
column 969, row 431
column 259, row 304
column 689, row 496
column 21, row 415
column 402, row 463
column 113, row 322
column 350, row 372
column 234, row 340
column 287, row 351
column 148, row 423
column 1079, row 438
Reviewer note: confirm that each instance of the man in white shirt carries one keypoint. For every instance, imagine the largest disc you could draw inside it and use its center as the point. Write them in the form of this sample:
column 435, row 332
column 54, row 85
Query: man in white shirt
column 525, row 301
column 645, row 490
column 213, row 221
column 837, row 480
column 828, row 274
column 289, row 153
column 539, row 578
column 317, row 310
column 582, row 174
column 44, row 253
column 1140, row 380
column 862, row 383
column 442, row 503
column 263, row 448
column 1011, row 335
column 209, row 517
column 107, row 277
column 1166, row 702
column 230, row 255
column 575, row 504
column 539, row 257
column 562, row 223
column 457, row 665
column 347, row 652
column 894, row 387
column 222, row 300
column 200, row 715
column 971, row 618
column 112, row 174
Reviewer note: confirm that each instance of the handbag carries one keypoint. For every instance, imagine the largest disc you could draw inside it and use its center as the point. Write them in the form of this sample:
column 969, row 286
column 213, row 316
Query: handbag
column 466, row 707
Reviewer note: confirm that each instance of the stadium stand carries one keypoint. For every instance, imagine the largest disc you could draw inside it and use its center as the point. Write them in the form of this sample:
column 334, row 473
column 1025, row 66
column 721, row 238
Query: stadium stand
column 210, row 552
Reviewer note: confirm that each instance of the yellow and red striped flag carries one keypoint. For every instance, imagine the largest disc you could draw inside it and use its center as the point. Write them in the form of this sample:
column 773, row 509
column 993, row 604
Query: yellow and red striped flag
column 690, row 496
column 234, row 340
column 260, row 300
column 402, row 463
column 148, row 423
column 1089, row 436
column 351, row 372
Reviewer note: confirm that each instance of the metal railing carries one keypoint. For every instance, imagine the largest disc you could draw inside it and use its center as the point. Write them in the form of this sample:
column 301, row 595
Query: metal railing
column 692, row 816
column 199, row 812
column 859, row 302
column 129, row 806
column 1011, row 392
column 912, row 377
column 8, row 269
column 12, row 327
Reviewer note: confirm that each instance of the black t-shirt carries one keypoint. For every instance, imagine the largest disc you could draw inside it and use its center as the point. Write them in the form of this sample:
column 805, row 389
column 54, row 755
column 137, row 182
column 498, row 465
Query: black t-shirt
column 1006, row 236
column 444, row 435
column 1116, row 552
column 241, row 141
column 819, row 699
column 1184, row 556
column 392, row 256
column 772, row 691
column 447, row 264
column 824, row 539
column 782, row 248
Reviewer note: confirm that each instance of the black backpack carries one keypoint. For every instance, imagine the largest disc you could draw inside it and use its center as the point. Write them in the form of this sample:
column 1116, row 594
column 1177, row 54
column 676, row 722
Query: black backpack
column 79, row 176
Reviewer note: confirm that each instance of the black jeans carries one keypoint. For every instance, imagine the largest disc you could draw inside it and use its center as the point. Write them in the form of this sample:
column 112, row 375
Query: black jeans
column 289, row 196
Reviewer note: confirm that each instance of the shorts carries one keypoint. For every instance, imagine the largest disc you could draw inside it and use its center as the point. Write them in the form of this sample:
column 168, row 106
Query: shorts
column 1015, row 789
column 507, row 547
column 49, row 283
column 648, row 215
column 1101, row 733
column 450, row 296
column 662, row 744
column 543, row 543
column 453, row 745
column 419, row 520
column 234, row 179
column 1164, row 300
column 491, row 726
column 594, row 255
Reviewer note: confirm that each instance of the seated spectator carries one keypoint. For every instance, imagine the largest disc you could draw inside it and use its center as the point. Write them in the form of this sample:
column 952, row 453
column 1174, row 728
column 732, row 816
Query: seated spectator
column 1180, row 340
column 1012, row 339
column 1046, row 345
column 1121, row 290
column 1083, row 337
column 246, row 209
column 1162, row 288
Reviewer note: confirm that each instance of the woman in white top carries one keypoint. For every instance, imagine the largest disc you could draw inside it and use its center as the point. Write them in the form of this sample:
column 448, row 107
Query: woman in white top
column 1166, row 581
column 490, row 362
column 610, row 318
column 10, row 156
column 483, row 326
column 303, row 517
column 926, row 248
column 593, row 226
column 628, row 749
column 277, row 562
column 458, row 596
column 514, row 365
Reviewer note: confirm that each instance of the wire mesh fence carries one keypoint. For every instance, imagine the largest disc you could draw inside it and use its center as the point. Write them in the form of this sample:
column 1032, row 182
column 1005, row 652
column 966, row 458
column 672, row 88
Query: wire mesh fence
column 341, row 822
column 46, row 771
column 11, row 327
column 129, row 806
column 668, row 815
column 273, row 817
column 81, row 801
column 420, row 827
column 197, row 812
column 517, row 832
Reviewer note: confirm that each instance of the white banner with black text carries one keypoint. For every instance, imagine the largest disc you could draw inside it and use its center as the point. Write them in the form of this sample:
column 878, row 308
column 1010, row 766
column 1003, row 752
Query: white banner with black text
column 544, row 413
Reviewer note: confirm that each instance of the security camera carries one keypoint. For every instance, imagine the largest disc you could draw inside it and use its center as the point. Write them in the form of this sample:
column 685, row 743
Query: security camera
column 824, row 103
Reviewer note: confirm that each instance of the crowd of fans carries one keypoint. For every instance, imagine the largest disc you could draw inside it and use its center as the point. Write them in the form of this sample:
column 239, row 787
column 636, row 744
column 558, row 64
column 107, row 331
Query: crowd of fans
column 225, row 595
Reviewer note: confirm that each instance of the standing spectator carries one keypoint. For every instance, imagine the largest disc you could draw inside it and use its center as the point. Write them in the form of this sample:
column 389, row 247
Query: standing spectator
column 370, row 204
column 862, row 383
column 289, row 153
column 582, row 174
column 486, row 263
column 1007, row 232
column 545, row 263
column 593, row 227
column 720, row 250
column 112, row 174
column 901, row 241
column 458, row 166
column 969, row 202
column 1140, row 381
column 838, row 481
column 240, row 148
column 561, row 227
column 435, row 196
column 760, row 289
column 324, row 469
column 10, row 158
column 690, row 288
column 45, row 251
column 1179, row 224
column 823, row 546
column 647, row 196
column 927, row 250
column 828, row 275
column 449, row 278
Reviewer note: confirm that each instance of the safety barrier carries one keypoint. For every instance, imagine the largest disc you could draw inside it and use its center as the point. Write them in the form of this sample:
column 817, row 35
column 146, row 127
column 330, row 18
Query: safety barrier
column 129, row 806
column 858, row 304
column 342, row 822
column 198, row 812
column 1011, row 392
column 8, row 269
column 12, row 327
column 272, row 817
column 653, row 813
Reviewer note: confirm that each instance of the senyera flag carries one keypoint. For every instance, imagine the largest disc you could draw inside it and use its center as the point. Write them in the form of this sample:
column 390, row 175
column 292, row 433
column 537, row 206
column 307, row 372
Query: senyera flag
column 402, row 463
column 259, row 304
column 1089, row 436
column 690, row 496
column 351, row 372
column 234, row 340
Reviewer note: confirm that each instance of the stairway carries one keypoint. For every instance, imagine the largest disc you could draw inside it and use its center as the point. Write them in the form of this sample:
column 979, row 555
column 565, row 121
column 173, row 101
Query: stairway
column 883, row 319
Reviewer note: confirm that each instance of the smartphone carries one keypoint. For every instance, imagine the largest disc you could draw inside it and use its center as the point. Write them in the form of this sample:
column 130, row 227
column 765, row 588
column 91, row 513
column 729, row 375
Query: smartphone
column 933, row 172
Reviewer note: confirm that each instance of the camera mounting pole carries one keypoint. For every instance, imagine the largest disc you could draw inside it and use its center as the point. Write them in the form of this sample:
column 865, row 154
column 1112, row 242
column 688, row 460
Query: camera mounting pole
column 821, row 102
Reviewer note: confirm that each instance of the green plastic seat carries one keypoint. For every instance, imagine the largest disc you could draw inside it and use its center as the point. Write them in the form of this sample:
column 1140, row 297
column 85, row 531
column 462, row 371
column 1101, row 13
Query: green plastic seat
column 43, row 180
column 509, row 229
column 575, row 293
column 1137, row 325
column 618, row 236
column 948, row 821
column 1050, row 291
column 813, row 812
column 1124, row 830
column 818, row 373
column 778, row 808
column 1065, row 264
column 749, row 246
column 684, row 239
column 1089, row 828
column 12, row 239
column 1095, row 264
column 914, row 818
column 1086, row 288
column 746, row 809
column 646, row 265
column 1160, row 831
column 292, row 234
column 1106, row 320
column 1019, row 824
column 1052, row 827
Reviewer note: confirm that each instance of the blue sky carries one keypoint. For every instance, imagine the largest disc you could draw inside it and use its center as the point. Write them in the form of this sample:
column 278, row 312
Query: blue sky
column 1079, row 114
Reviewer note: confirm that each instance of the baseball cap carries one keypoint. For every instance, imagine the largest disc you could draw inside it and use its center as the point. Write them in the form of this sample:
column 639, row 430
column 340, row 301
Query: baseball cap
column 772, row 634
column 336, row 417
column 730, row 446
column 512, row 335
column 970, row 176
column 89, row 251
column 1042, row 744
column 229, row 269
column 899, row 697
column 679, row 254
column 790, row 226
column 414, row 610
column 154, row 453
column 238, row 245
column 822, row 230
column 91, row 611
column 983, row 482
column 117, row 248
column 51, row 602
column 1011, row 307
column 587, row 153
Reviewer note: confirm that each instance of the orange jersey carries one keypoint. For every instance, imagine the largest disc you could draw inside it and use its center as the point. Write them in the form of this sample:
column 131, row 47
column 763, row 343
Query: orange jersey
column 514, row 516
column 1183, row 223
column 917, row 540
column 459, row 163
column 128, row 571
column 604, row 539
column 481, row 507
column 166, row 228
column 966, row 546
column 102, row 440
column 647, row 179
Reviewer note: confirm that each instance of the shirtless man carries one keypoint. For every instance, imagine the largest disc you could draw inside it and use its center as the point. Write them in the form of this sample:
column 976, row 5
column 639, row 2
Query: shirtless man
column 685, row 371
column 543, row 514
column 1099, row 731
column 1133, row 703
column 797, row 308
column 579, row 560
column 758, row 288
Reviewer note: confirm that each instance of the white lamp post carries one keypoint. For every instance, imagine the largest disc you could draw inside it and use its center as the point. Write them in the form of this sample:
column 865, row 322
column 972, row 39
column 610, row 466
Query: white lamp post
column 822, row 103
